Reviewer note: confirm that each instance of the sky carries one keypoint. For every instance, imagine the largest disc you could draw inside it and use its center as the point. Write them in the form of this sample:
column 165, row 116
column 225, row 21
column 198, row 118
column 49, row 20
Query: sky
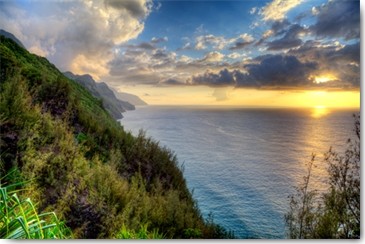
column 276, row 53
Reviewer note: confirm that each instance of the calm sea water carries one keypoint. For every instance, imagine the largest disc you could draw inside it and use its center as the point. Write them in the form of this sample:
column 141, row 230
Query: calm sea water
column 243, row 163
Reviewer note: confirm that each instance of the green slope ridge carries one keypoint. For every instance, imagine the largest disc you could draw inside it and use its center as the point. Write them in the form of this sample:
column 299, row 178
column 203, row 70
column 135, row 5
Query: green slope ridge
column 80, row 162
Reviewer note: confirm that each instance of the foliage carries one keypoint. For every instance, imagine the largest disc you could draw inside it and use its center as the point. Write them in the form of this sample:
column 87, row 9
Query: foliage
column 81, row 162
column 335, row 213
column 216, row 231
column 142, row 233
column 19, row 218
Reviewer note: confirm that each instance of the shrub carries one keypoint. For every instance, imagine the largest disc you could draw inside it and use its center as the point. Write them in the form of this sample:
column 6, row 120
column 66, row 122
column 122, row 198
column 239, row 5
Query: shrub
column 335, row 213
column 142, row 233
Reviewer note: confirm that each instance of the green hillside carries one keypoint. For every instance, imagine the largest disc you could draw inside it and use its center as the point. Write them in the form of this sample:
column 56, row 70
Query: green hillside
column 80, row 163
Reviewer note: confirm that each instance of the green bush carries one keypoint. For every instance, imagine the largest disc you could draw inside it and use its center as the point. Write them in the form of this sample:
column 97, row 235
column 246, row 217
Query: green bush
column 142, row 233
column 336, row 212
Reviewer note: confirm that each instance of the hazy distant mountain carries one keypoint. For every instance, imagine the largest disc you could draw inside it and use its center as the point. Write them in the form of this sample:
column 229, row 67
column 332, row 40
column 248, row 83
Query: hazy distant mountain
column 101, row 90
column 11, row 36
column 106, row 91
column 133, row 99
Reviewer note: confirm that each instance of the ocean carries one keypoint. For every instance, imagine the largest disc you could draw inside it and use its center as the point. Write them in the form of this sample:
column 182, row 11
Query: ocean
column 242, row 163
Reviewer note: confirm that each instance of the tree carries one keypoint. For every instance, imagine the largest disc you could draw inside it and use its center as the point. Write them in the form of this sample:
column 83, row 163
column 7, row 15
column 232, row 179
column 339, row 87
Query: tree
column 336, row 212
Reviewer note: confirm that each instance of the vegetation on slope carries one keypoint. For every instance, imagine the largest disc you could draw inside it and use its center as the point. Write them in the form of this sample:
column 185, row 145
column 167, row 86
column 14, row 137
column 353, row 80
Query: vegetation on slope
column 81, row 164
column 334, row 214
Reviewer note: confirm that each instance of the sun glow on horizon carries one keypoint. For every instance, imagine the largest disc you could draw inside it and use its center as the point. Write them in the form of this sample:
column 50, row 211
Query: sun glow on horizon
column 229, row 96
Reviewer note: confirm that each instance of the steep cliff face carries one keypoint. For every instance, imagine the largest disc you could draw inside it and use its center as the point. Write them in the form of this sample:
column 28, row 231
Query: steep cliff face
column 111, row 103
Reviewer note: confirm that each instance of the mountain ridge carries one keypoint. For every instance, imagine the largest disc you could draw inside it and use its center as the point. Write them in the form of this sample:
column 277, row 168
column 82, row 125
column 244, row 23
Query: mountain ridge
column 12, row 37
column 131, row 98
column 102, row 91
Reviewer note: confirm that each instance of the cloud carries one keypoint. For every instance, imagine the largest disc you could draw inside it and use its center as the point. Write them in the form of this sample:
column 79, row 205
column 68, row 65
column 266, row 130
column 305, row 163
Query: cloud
column 162, row 57
column 144, row 45
column 153, row 66
column 277, row 28
column 253, row 10
column 152, row 45
column 235, row 55
column 220, row 42
column 269, row 71
column 209, row 78
column 217, row 42
column 185, row 59
column 172, row 81
column 349, row 53
column 159, row 39
column 242, row 41
column 279, row 70
column 187, row 46
column 220, row 94
column 315, row 10
column 137, row 8
column 338, row 18
column 341, row 61
column 296, row 69
column 289, row 40
column 74, row 34
column 240, row 45
column 213, row 57
column 277, row 9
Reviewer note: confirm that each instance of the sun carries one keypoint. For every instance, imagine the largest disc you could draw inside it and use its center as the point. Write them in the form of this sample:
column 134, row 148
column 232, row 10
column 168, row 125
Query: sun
column 324, row 78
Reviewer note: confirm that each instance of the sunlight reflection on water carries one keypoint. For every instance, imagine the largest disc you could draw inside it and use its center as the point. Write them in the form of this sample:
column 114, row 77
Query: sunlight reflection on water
column 319, row 111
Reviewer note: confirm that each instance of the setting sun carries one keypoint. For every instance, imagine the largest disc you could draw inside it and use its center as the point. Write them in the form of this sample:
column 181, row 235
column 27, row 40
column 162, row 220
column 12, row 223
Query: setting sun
column 324, row 78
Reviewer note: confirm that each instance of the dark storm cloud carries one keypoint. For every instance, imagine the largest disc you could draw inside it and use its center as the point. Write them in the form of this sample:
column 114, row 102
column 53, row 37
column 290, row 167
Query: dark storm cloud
column 284, row 44
column 278, row 70
column 223, row 78
column 289, row 40
column 350, row 53
column 338, row 19
column 346, row 63
column 270, row 71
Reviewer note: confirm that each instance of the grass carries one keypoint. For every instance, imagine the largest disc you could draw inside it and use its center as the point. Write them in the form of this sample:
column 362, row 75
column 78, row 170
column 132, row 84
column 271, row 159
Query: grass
column 19, row 218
